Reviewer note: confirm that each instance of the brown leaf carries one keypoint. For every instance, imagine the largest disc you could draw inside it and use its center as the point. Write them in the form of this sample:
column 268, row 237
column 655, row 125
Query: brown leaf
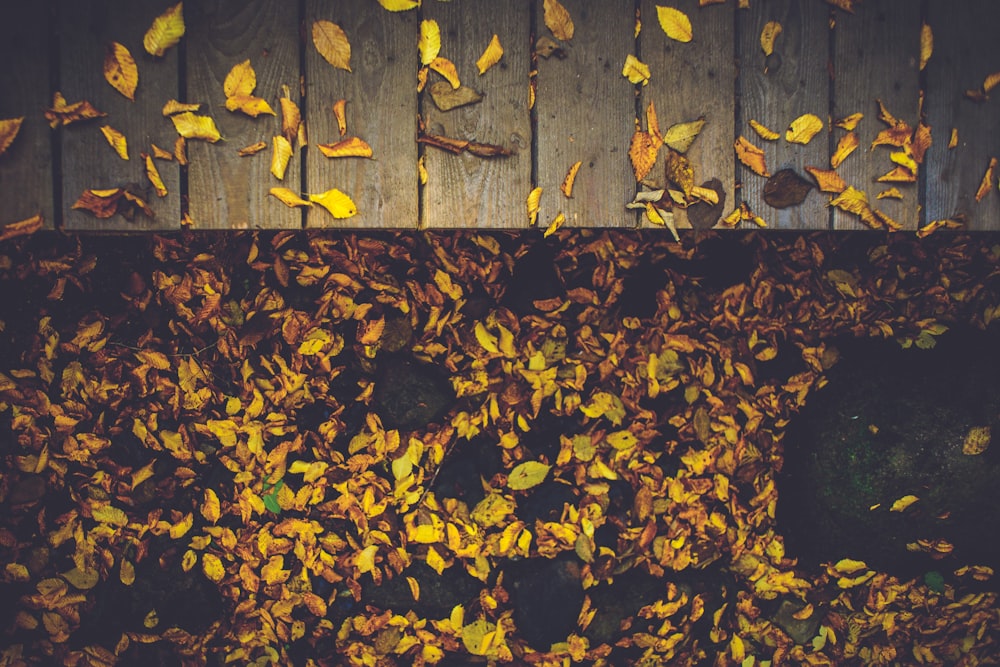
column 339, row 112
column 62, row 113
column 332, row 43
column 642, row 152
column 457, row 146
column 558, row 20
column 786, row 189
column 447, row 98
column 703, row 215
column 751, row 156
column 252, row 149
column 8, row 132
column 21, row 227
column 120, row 70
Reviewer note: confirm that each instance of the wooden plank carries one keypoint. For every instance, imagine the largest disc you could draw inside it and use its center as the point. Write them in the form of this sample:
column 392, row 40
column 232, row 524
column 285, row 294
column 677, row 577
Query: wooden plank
column 381, row 94
column 776, row 90
column 585, row 111
column 225, row 190
column 26, row 166
column 694, row 80
column 464, row 190
column 85, row 28
column 877, row 56
column 964, row 53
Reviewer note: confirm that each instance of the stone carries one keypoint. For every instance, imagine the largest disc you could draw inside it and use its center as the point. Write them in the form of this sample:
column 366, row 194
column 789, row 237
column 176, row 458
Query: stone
column 893, row 423
column 802, row 630
column 410, row 394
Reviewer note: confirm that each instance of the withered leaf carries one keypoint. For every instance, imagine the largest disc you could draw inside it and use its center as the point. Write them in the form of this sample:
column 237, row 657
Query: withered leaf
column 447, row 98
column 161, row 154
column 21, row 227
column 291, row 117
column 890, row 193
column 554, row 226
column 8, row 132
column 191, row 126
column 332, row 43
column 957, row 222
column 679, row 172
column 339, row 113
column 558, row 20
column 491, row 55
column 635, row 71
column 288, row 198
column 751, row 156
column 62, row 113
column 768, row 36
column 250, row 105
column 827, row 180
column 675, row 23
column 991, row 81
column 546, row 47
column 116, row 140
column 174, row 107
column 352, row 147
column 763, row 132
column 165, row 32
column 642, row 152
column 457, row 146
column 785, row 189
column 847, row 144
column 447, row 69
column 252, row 149
column 679, row 137
column 926, row 45
column 567, row 184
column 120, row 69
column 849, row 123
column 987, row 183
column 153, row 174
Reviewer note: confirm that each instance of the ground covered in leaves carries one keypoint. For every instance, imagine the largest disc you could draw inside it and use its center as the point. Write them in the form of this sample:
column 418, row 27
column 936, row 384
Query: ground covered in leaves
column 449, row 449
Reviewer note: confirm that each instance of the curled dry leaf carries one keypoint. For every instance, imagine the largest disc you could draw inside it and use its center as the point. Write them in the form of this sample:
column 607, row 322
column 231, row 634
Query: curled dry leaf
column 950, row 223
column 332, row 43
column 174, row 107
column 250, row 105
column 458, row 146
column 768, row 35
column 558, row 20
column 751, row 156
column 679, row 137
column 62, row 113
column 8, row 132
column 190, row 126
column 635, row 71
column 679, row 172
column 429, row 42
column 987, row 183
column 447, row 69
column 21, row 227
column 491, row 55
column 339, row 112
column 352, row 147
column 165, row 32
column 554, row 226
column 533, row 201
column 252, row 149
column 180, row 151
column 120, row 69
column 763, row 132
column 281, row 153
column 926, row 45
column 336, row 202
column 847, row 144
column 161, row 154
column 288, row 198
column 567, row 184
column 675, row 23
column 890, row 193
column 803, row 129
column 849, row 122
column 291, row 117
column 153, row 174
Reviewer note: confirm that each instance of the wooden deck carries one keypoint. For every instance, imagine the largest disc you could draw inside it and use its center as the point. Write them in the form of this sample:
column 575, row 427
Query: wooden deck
column 827, row 62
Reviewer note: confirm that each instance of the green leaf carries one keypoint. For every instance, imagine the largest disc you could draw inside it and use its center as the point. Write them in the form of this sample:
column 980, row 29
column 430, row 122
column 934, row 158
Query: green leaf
column 934, row 581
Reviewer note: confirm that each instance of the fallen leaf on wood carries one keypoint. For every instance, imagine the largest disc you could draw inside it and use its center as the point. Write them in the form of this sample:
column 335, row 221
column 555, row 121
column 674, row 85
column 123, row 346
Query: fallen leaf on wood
column 174, row 107
column 240, row 81
column 991, row 81
column 567, row 184
column 120, row 69
column 953, row 139
column 653, row 124
column 447, row 69
column 705, row 214
column 116, row 140
column 62, row 113
column 785, row 189
column 21, row 227
column 332, row 43
column 161, row 154
column 399, row 5
column 105, row 203
column 558, row 20
column 679, row 137
column 336, row 202
column 180, row 151
column 339, row 113
column 635, row 71
column 926, row 45
column 166, row 31
column 288, row 198
column 429, row 41
column 491, row 55
column 190, row 126
column 898, row 175
column 250, row 105
column 751, row 156
column 252, row 149
column 675, row 23
column 534, row 197
column 281, row 153
column 153, row 174
column 827, row 180
column 763, row 132
column 352, row 147
column 447, row 98
column 546, row 47
column 679, row 172
column 291, row 116
column 849, row 123
column 457, row 146
column 958, row 222
column 642, row 152
column 987, row 183
column 890, row 193
column 846, row 5
column 8, row 132
column 847, row 145
column 768, row 35
column 553, row 227
column 803, row 129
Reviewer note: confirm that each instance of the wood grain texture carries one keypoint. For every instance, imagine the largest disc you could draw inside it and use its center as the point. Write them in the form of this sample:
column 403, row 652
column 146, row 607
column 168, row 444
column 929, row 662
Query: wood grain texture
column 227, row 191
column 877, row 56
column 381, row 94
column 585, row 111
column 694, row 80
column 26, row 166
column 776, row 90
column 84, row 29
column 464, row 190
column 965, row 51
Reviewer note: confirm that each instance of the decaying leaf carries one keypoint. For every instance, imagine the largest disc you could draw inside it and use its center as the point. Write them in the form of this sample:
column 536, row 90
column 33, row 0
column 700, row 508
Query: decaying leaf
column 161, row 153
column 105, row 203
column 987, row 183
column 763, row 132
column 21, row 227
column 856, row 202
column 679, row 172
column 768, row 35
column 116, row 140
column 926, row 45
column 751, row 156
column 546, row 47
column 534, row 197
column 352, row 147
column 332, row 43
column 803, row 129
column 8, row 132
column 567, row 184
column 252, row 149
column 281, row 153
column 447, row 98
column 558, row 20
column 288, row 198
column 527, row 475
column 62, row 113
column 845, row 146
column 458, row 146
column 785, row 189
column 976, row 441
column 679, row 137
column 339, row 113
column 165, row 32
column 336, row 202
column 675, row 23
column 890, row 193
column 120, row 69
column 635, row 71
column 491, row 55
column 153, row 174
column 827, row 180
column 447, row 69
column 191, row 126
column 291, row 116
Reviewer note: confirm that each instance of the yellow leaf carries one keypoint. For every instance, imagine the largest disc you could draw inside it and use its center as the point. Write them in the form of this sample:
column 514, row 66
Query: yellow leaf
column 890, row 193
column 567, row 184
column 642, row 153
column 287, row 197
column 166, row 30
column 399, row 5
column 491, row 56
column 127, row 573
column 274, row 571
column 991, row 81
column 434, row 560
column 489, row 342
column 679, row 137
column 827, row 180
column 847, row 144
column 332, row 43
column 190, row 126
column 161, row 154
column 352, row 147
column 926, row 45
column 987, row 183
column 763, row 132
column 850, row 122
column 211, row 509
column 902, row 503
column 213, row 567
column 558, row 20
column 447, row 69
column 120, row 70
column 153, row 174
column 554, row 226
column 429, row 42
column 180, row 529
column 977, row 440
column 8, row 131
column 767, row 36
column 635, row 71
column 174, row 107
column 291, row 117
column 527, row 475
column 110, row 515
column 115, row 138
column 751, row 156
column 479, row 636
column 848, row 566
column 365, row 559
column 252, row 149
column 803, row 129
column 281, row 153
column 336, row 202
column 82, row 579
column 534, row 197
column 241, row 80
column 675, row 23
column 622, row 440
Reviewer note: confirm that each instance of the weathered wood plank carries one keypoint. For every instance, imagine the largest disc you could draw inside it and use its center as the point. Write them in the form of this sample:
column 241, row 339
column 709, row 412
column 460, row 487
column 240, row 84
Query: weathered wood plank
column 585, row 111
column 695, row 80
column 965, row 52
column 225, row 190
column 464, row 190
column 84, row 30
column 381, row 94
column 26, row 166
column 776, row 90
column 877, row 56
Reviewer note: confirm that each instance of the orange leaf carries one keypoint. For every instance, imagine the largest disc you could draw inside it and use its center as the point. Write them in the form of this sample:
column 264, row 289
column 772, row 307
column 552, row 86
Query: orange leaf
column 642, row 152
column 339, row 113
column 751, row 156
column 332, row 43
column 21, row 227
column 102, row 203
column 567, row 184
column 120, row 70
column 64, row 114
column 352, row 147
column 8, row 132
column 165, row 32
column 116, row 140
column 847, row 144
column 252, row 149
column 447, row 69
column 558, row 20
column 763, row 132
column 987, row 183
column 291, row 118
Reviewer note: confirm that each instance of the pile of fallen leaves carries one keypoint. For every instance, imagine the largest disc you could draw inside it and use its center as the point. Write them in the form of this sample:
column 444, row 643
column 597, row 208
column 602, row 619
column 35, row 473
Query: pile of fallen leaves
column 172, row 407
